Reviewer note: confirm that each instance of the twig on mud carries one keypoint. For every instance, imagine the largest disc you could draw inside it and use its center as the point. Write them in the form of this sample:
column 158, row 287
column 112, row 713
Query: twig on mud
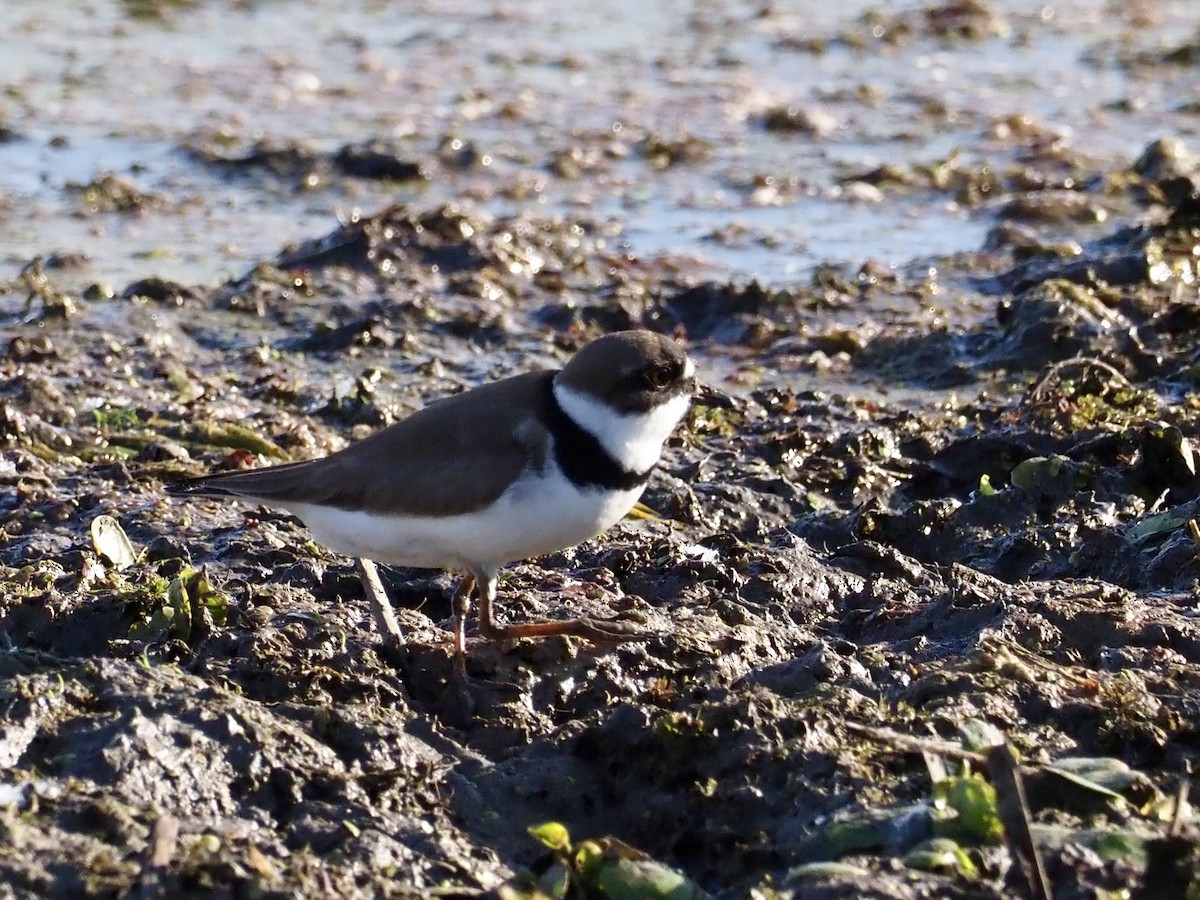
column 1179, row 815
column 163, row 841
column 381, row 607
column 935, row 766
column 1040, row 390
column 1014, row 814
column 1028, row 663
column 1157, row 505
column 914, row 744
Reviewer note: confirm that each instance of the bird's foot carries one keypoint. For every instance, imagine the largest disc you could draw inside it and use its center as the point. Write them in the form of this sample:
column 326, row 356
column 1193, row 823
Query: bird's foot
column 598, row 630
column 610, row 630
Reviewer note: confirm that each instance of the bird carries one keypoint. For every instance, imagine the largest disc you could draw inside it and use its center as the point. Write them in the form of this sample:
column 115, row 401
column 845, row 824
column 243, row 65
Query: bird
column 506, row 471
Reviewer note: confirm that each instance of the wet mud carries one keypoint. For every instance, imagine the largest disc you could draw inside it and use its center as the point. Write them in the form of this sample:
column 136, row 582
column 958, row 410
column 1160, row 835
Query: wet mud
column 934, row 509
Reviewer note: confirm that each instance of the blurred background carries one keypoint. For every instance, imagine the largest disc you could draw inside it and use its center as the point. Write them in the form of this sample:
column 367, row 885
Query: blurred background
column 190, row 140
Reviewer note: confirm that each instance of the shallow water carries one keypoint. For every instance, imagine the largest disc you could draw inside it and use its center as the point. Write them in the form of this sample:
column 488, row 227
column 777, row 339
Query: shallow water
column 121, row 87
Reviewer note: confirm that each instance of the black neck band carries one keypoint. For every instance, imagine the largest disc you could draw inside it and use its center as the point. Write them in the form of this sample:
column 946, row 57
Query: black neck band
column 581, row 456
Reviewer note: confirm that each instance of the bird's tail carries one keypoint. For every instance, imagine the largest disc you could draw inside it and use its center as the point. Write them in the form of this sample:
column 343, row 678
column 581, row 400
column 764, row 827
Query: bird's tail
column 290, row 482
column 204, row 486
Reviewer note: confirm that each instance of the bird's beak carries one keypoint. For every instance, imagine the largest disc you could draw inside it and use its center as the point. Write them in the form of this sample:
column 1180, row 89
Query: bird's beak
column 707, row 395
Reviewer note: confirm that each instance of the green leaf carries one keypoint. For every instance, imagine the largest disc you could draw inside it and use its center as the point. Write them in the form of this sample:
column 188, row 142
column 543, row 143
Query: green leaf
column 1117, row 845
column 1163, row 522
column 553, row 834
column 1102, row 772
column 969, row 811
column 1122, row 844
column 179, row 606
column 111, row 542
column 850, row 837
column 587, row 856
column 610, row 869
column 235, row 437
column 204, row 596
column 816, row 870
column 1082, row 782
column 1045, row 476
column 896, row 827
column 641, row 879
column 940, row 854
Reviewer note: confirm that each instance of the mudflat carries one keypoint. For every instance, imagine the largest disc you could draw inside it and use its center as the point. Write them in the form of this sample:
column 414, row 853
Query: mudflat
column 940, row 260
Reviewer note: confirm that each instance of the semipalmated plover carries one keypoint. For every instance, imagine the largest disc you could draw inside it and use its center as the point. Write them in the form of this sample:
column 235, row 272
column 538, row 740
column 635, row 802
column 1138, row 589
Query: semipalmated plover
column 506, row 471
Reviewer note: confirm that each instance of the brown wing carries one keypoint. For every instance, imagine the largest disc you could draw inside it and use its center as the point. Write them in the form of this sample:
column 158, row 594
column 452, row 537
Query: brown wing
column 454, row 456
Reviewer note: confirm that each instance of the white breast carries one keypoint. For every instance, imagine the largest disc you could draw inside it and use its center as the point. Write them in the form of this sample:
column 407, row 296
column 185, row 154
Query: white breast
column 536, row 516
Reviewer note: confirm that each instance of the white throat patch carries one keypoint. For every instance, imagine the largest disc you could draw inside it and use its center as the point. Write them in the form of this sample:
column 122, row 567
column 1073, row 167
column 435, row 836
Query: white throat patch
column 634, row 440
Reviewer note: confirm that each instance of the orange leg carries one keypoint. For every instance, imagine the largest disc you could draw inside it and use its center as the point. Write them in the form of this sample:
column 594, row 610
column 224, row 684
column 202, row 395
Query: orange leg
column 460, row 604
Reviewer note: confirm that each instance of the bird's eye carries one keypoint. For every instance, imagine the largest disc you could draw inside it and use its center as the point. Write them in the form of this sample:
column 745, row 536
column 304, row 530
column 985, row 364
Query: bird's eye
column 659, row 377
